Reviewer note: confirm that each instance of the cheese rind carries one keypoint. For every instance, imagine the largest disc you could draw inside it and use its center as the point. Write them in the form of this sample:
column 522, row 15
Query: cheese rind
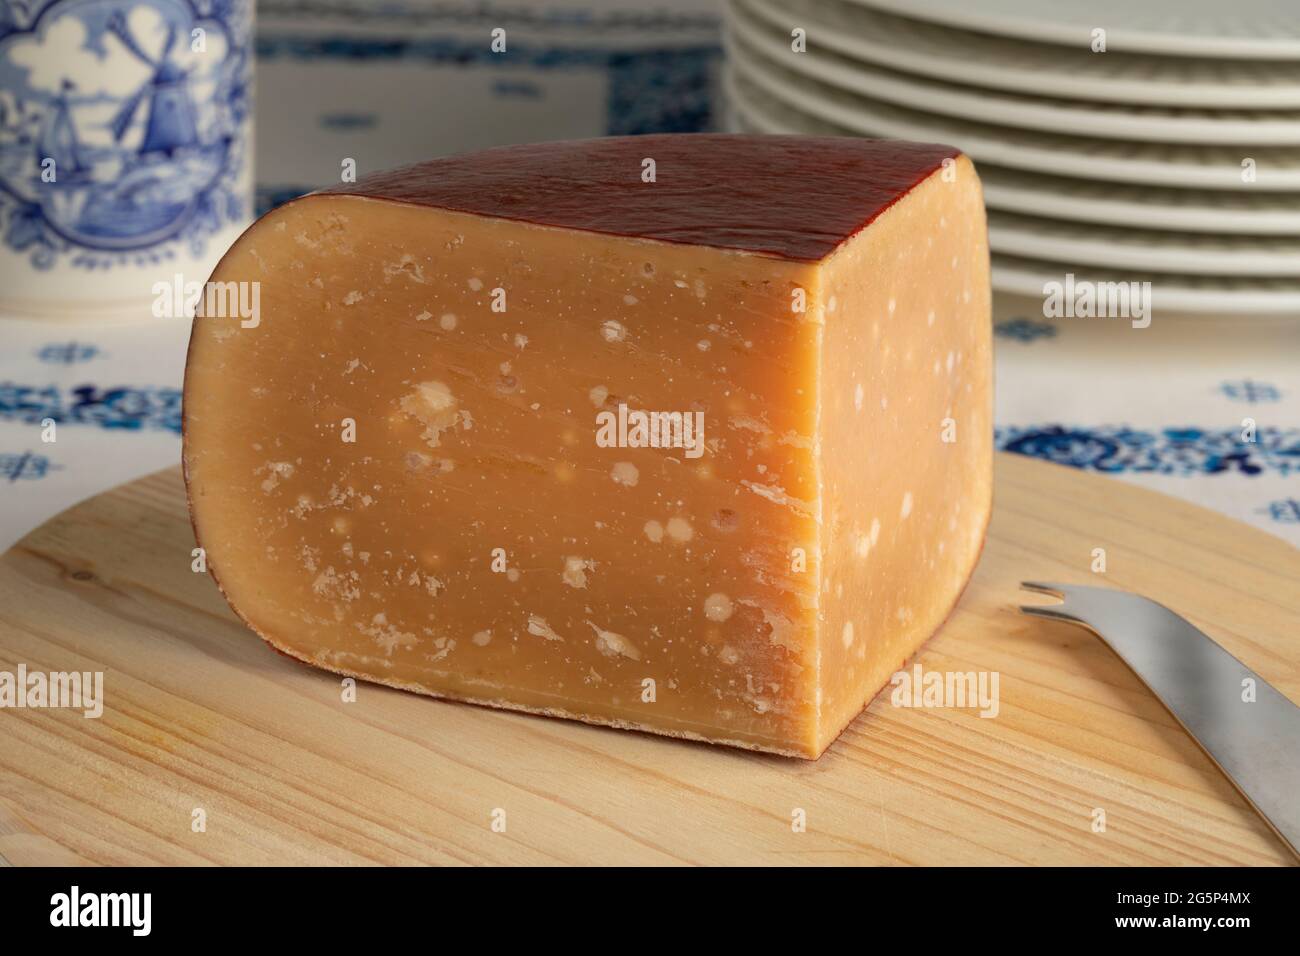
column 477, row 540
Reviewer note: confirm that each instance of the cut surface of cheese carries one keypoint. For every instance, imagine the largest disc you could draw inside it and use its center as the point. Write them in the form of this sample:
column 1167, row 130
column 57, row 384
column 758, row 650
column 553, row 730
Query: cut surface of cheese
column 687, row 434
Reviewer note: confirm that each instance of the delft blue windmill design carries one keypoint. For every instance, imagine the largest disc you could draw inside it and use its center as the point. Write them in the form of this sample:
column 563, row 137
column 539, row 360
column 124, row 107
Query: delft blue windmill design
column 58, row 141
column 170, row 125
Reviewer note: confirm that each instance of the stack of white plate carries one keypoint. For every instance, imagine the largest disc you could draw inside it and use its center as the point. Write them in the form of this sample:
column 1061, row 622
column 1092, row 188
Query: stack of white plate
column 1171, row 157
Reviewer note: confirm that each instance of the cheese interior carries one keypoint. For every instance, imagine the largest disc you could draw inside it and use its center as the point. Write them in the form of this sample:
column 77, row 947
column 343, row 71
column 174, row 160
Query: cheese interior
column 475, row 541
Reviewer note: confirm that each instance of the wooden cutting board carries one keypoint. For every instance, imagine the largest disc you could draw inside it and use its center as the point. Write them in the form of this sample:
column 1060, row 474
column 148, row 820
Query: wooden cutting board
column 200, row 714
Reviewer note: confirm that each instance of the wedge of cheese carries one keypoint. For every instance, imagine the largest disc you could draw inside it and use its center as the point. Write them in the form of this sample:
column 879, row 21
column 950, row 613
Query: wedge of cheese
column 685, row 434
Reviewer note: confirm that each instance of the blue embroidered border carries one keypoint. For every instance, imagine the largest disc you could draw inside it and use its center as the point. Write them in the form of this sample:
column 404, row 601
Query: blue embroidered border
column 1165, row 451
column 126, row 407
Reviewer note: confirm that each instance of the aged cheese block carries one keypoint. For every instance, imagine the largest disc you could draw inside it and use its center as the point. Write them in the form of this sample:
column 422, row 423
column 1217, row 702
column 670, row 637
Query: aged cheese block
column 686, row 434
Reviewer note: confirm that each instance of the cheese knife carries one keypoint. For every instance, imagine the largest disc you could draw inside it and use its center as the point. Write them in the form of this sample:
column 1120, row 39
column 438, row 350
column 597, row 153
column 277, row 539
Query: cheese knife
column 1249, row 728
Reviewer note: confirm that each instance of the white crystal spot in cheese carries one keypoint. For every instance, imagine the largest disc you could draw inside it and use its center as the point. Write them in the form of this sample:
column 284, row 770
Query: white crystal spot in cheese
column 728, row 654
column 612, row 645
column 680, row 530
column 482, row 638
column 475, row 284
column 777, row 495
column 388, row 637
column 906, row 509
column 613, row 331
column 846, row 635
column 448, row 321
column 520, row 341
column 654, row 531
column 598, row 394
column 703, row 345
column 424, row 316
column 862, row 545
column 538, row 627
column 434, row 406
column 405, row 266
column 575, row 571
column 629, row 300
column 512, row 575
column 352, row 298
column 277, row 470
column 625, row 473
column 717, row 607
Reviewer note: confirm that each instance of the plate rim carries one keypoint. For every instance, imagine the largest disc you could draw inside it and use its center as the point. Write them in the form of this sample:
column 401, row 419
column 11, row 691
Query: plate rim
column 970, row 16
column 1022, row 111
column 979, row 74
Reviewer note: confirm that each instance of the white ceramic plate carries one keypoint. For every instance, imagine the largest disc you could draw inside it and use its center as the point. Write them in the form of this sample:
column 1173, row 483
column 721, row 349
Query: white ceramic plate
column 1107, row 120
column 1078, row 200
column 1204, row 294
column 1245, row 29
column 1143, row 250
column 1184, row 166
column 1141, row 207
column 977, row 59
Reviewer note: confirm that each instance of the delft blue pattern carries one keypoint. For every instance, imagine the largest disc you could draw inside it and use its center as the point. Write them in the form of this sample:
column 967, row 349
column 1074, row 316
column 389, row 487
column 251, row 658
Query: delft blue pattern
column 159, row 167
column 68, row 353
column 1286, row 510
column 1024, row 330
column 25, row 466
column 121, row 407
column 1165, row 451
column 1250, row 391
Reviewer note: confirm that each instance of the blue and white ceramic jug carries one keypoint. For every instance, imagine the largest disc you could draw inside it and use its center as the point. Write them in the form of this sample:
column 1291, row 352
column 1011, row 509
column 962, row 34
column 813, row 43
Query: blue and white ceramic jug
column 125, row 150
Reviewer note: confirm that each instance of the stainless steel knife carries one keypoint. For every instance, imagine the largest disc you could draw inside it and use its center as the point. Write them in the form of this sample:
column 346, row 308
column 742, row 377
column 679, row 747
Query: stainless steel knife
column 1256, row 743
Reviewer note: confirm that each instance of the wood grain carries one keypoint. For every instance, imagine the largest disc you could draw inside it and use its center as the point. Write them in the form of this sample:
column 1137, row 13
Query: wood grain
column 202, row 714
